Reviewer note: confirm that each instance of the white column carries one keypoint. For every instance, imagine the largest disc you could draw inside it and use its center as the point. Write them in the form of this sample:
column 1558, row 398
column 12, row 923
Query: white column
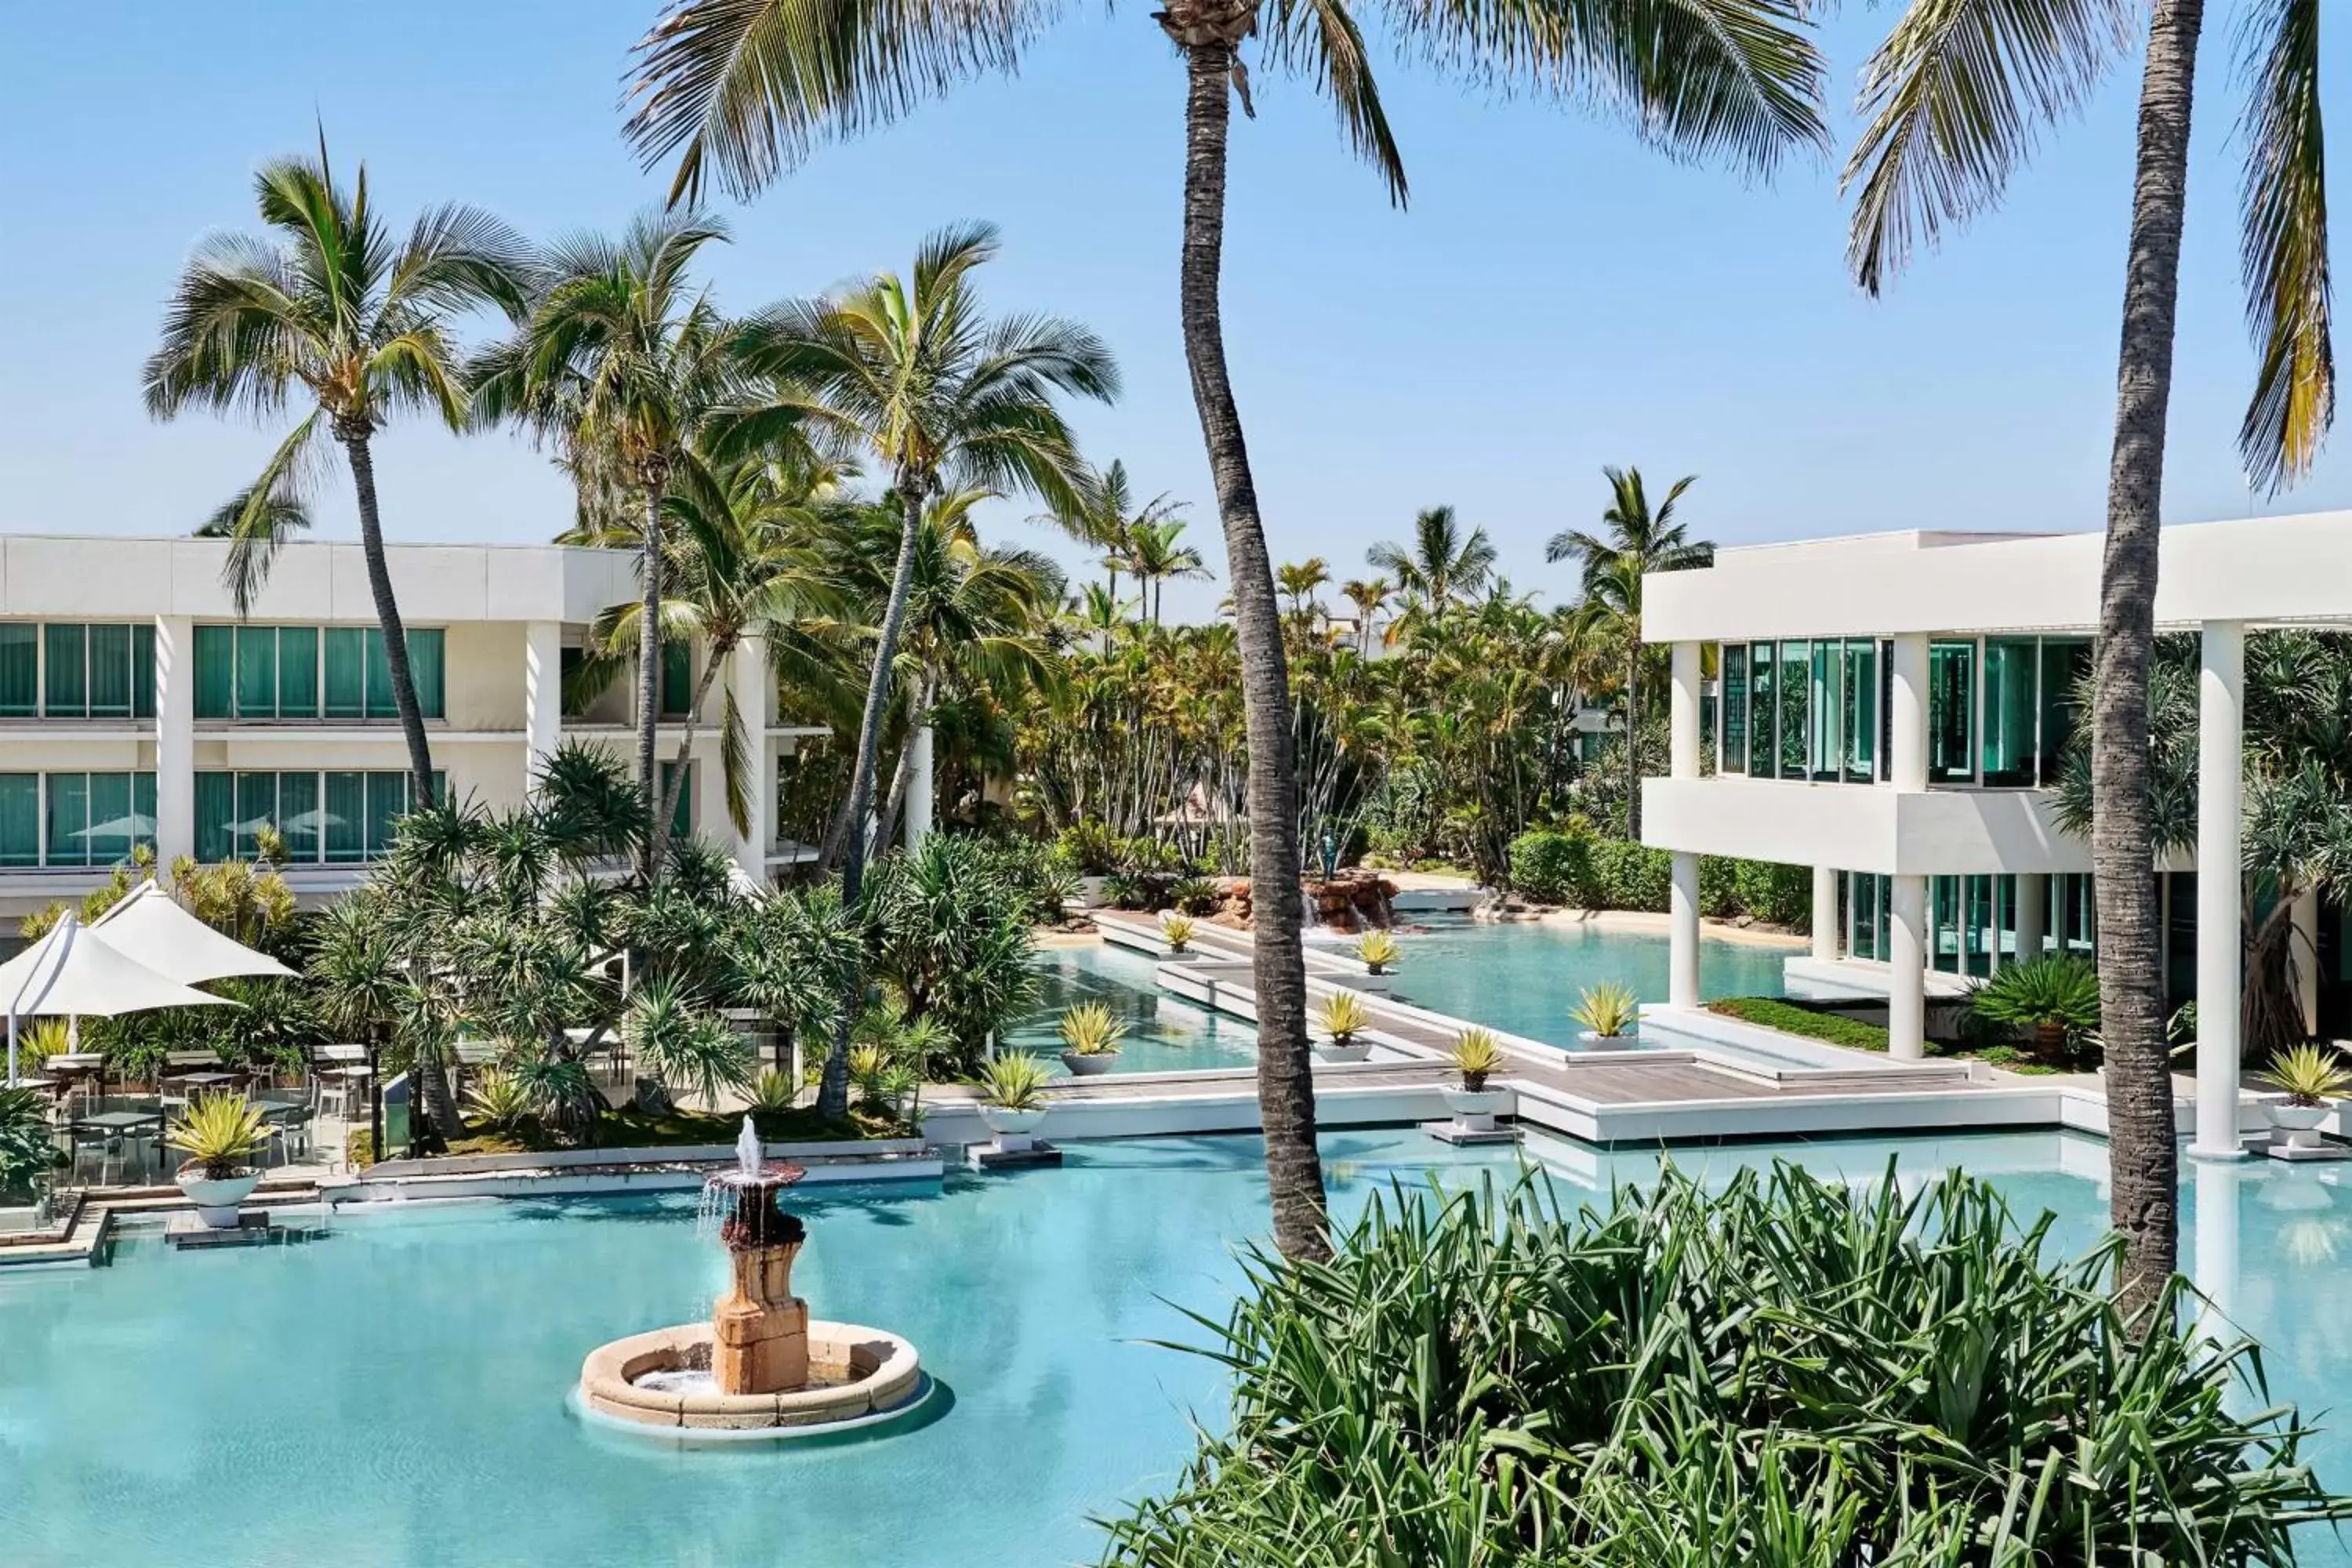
column 176, row 739
column 1682, row 713
column 542, row 697
column 2221, row 710
column 1682, row 954
column 1825, row 913
column 1907, row 714
column 920, row 785
column 1907, row 968
column 2216, row 1267
column 755, row 699
column 2305, row 956
column 2032, row 913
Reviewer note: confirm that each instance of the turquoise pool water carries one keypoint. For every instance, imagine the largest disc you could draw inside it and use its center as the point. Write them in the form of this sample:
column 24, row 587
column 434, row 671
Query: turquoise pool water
column 1164, row 1033
column 296, row 1404
column 1523, row 976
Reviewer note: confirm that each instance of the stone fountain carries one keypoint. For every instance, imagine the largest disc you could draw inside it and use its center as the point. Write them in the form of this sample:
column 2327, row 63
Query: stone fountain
column 760, row 1363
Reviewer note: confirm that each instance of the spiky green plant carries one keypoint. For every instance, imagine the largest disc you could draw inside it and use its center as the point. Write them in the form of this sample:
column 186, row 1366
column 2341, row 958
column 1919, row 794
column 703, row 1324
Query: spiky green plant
column 1177, row 931
column 683, row 1045
column 1013, row 1081
column 771, row 1093
column 1476, row 1053
column 1792, row 1371
column 217, row 1132
column 2307, row 1075
column 2056, row 998
column 1091, row 1030
column 28, row 1143
column 1343, row 1016
column 500, row 1099
column 1379, row 951
column 1609, row 1009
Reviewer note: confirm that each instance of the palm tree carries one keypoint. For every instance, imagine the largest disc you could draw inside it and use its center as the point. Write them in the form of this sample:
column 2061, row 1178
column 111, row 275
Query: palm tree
column 623, row 362
column 1369, row 595
column 1154, row 555
column 748, row 87
column 1440, row 565
column 1955, row 99
column 331, row 311
column 1106, row 518
column 1639, row 541
column 942, row 396
column 1298, row 581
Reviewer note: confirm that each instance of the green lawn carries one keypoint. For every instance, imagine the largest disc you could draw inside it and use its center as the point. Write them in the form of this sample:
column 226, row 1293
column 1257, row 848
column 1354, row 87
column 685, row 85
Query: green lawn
column 1855, row 1034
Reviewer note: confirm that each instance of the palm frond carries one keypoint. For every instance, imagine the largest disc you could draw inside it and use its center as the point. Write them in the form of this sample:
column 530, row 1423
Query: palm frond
column 2282, row 249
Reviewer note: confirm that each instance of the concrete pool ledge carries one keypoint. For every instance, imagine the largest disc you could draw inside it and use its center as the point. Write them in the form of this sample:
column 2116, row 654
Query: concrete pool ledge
column 574, row 1172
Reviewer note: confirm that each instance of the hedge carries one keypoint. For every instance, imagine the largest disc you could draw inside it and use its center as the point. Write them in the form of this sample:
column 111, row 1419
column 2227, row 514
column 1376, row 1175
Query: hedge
column 1579, row 868
column 1772, row 1013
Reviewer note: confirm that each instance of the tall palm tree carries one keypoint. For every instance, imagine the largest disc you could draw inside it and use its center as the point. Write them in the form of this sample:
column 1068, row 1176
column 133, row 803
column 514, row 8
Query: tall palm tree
column 332, row 310
column 748, row 87
column 1299, row 581
column 1155, row 552
column 1369, row 595
column 1954, row 100
column 623, row 362
column 942, row 396
column 1441, row 565
column 1106, row 518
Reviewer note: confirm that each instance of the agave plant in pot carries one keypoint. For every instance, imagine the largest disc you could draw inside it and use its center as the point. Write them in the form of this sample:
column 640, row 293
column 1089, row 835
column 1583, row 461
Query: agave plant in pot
column 218, row 1132
column 1380, row 952
column 1012, row 1099
column 1476, row 1055
column 1609, row 1012
column 1343, row 1019
column 2312, row 1078
column 1176, row 931
column 1090, row 1038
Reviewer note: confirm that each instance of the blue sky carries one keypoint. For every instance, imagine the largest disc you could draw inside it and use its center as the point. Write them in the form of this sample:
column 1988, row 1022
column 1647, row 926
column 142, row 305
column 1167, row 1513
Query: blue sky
column 1556, row 297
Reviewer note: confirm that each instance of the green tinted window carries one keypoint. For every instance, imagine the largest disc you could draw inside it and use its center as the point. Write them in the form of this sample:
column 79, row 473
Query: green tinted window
column 298, row 815
column 142, row 671
column 387, row 801
column 1763, row 710
column 676, row 677
column 110, row 671
column 380, row 704
column 1861, row 710
column 216, row 814
column 64, row 652
column 20, row 819
column 681, row 819
column 20, row 670
column 257, row 672
column 1951, row 712
column 1733, row 679
column 68, row 819
column 2010, row 711
column 424, row 659
column 215, row 672
column 297, row 672
column 344, row 684
column 346, row 816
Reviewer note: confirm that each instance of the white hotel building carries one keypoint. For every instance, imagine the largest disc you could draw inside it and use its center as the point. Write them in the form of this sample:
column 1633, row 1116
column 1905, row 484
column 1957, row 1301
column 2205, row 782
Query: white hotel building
column 1892, row 708
column 136, row 706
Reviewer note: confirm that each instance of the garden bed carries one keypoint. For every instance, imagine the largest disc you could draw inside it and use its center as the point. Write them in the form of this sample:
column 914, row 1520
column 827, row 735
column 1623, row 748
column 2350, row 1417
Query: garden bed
column 1832, row 1027
column 630, row 1127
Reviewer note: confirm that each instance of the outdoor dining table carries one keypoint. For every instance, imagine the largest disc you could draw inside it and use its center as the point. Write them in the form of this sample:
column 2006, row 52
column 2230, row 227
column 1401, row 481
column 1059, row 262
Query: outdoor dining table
column 204, row 1080
column 119, row 1124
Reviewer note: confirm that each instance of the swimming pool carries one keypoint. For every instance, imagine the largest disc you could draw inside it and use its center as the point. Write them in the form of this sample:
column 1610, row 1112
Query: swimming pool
column 395, row 1394
column 1524, row 976
column 1164, row 1033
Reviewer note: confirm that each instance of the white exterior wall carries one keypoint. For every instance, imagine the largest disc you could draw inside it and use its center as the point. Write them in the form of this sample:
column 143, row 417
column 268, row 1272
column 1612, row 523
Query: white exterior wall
column 496, row 606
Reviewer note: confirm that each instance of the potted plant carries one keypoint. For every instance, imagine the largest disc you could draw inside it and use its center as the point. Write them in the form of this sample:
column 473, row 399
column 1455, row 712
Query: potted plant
column 1609, row 1012
column 2055, row 999
column 1380, row 952
column 2311, row 1077
column 1343, row 1019
column 1090, row 1038
column 1176, row 931
column 1012, row 1099
column 217, row 1132
column 1476, row 1054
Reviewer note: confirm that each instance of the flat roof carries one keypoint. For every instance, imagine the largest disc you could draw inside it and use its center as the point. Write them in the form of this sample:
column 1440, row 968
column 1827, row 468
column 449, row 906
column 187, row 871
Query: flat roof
column 2272, row 570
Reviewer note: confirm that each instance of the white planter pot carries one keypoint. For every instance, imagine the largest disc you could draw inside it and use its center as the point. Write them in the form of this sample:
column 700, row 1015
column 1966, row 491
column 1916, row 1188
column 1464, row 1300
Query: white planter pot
column 1475, row 1110
column 1352, row 1051
column 1088, row 1066
column 1593, row 1042
column 2299, row 1122
column 1015, row 1130
column 216, row 1202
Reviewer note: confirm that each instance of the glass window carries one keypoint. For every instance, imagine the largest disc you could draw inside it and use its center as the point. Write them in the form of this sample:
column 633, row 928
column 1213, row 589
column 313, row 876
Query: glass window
column 2065, row 661
column 1951, row 712
column 298, row 815
column 387, row 803
column 1734, row 681
column 112, row 826
column 1861, row 710
column 1863, row 898
column 142, row 671
column 20, row 671
column 380, row 704
column 676, row 677
column 681, row 819
column 110, row 671
column 344, row 662
column 1827, row 743
column 20, row 819
column 1795, row 683
column 1982, row 926
column 1943, row 920
column 346, row 816
column 1763, row 708
column 68, row 818
column 425, row 664
column 215, row 673
column 65, row 656
column 2012, row 665
column 215, row 815
column 256, row 807
column 257, row 672
column 297, row 672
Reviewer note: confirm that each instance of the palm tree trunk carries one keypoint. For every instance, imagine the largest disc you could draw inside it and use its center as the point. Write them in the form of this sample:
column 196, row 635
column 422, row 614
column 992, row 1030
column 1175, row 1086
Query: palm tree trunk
column 1286, row 1085
column 387, row 614
column 657, row 843
column 2142, row 1153
column 1633, row 755
column 833, row 1090
column 669, row 810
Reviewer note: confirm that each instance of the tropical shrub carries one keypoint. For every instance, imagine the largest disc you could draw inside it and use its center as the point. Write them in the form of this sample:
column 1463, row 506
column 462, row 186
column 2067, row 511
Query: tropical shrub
column 690, row 1049
column 771, row 1094
column 1792, row 1372
column 1343, row 1016
column 1125, row 890
column 1629, row 877
column 1089, row 1029
column 1609, row 1009
column 1196, row 896
column 1476, row 1054
column 27, row 1146
column 1774, row 1012
column 2307, row 1075
column 1552, row 867
column 1013, row 1081
column 950, row 934
column 499, row 1100
column 2056, row 998
column 217, row 1132
column 870, row 1067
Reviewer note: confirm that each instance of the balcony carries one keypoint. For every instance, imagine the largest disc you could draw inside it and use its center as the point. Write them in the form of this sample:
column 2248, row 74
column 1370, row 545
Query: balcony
column 1861, row 828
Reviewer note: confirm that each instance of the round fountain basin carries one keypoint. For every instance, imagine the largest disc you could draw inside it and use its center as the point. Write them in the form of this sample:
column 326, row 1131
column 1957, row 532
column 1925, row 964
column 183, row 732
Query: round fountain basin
column 857, row 1376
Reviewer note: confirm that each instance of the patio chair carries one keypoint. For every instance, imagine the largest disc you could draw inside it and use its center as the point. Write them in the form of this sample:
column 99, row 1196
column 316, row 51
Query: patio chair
column 339, row 1079
column 289, row 1123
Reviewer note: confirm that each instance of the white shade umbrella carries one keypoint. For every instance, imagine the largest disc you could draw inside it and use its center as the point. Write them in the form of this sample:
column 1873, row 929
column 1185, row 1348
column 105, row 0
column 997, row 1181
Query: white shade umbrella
column 151, row 927
column 72, row 971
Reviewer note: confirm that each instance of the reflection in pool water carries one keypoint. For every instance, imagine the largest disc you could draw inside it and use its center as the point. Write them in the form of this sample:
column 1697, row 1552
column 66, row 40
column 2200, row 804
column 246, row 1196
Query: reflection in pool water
column 1163, row 1034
